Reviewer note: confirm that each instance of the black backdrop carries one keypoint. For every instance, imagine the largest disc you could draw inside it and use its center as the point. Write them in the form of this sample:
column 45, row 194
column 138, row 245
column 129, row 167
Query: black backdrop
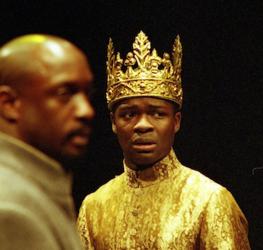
column 221, row 133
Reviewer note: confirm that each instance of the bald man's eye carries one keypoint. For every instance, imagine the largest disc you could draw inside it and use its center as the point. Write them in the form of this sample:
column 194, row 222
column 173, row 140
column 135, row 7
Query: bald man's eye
column 66, row 92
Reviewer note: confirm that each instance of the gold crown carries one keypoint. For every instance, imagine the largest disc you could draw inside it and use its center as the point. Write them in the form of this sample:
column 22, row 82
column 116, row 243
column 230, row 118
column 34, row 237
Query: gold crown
column 144, row 73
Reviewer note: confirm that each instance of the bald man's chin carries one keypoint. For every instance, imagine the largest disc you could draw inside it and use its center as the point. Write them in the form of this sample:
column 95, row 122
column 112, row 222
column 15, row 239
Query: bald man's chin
column 78, row 151
column 70, row 159
column 74, row 152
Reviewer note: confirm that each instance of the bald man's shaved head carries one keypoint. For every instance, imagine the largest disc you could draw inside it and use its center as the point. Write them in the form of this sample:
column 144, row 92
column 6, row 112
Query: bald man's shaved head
column 26, row 56
column 32, row 42
column 44, row 94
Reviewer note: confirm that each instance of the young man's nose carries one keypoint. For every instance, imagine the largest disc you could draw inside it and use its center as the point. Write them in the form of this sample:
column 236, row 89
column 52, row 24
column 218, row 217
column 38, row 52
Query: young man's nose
column 143, row 124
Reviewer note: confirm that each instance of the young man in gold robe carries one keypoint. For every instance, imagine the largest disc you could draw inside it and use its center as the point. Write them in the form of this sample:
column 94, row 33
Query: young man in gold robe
column 157, row 203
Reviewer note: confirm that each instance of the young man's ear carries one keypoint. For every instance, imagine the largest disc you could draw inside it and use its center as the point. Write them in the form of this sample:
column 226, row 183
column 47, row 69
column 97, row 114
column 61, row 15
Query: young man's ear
column 177, row 124
column 8, row 104
column 113, row 126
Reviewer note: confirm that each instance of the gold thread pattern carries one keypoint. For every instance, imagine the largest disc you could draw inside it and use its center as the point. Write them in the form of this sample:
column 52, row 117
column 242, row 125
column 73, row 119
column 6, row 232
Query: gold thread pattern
column 176, row 208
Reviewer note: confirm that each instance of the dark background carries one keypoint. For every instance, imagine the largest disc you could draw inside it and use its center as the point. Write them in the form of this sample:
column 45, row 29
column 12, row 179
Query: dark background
column 221, row 133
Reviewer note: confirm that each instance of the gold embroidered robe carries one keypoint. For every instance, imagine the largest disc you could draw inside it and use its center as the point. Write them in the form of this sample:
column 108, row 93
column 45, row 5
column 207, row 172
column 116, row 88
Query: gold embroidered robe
column 166, row 207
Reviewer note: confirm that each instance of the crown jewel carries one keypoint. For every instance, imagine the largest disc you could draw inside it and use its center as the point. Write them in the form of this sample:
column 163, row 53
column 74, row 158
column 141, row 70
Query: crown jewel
column 144, row 73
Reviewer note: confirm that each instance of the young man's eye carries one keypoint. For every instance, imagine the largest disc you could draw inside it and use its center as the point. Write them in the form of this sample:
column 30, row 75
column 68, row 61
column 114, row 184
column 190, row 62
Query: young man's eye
column 158, row 114
column 127, row 115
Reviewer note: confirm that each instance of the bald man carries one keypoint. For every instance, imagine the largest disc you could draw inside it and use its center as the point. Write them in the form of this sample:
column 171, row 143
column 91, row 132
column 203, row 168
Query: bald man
column 45, row 124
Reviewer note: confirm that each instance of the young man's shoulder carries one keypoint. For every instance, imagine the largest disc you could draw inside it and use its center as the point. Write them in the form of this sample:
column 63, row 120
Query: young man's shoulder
column 110, row 189
column 200, row 183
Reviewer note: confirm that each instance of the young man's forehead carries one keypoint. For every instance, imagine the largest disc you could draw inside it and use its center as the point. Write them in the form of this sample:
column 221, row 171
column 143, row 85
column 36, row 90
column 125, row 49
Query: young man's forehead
column 143, row 101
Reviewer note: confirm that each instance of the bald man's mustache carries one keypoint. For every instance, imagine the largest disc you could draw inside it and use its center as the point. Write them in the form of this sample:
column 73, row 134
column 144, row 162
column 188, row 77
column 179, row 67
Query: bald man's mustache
column 83, row 131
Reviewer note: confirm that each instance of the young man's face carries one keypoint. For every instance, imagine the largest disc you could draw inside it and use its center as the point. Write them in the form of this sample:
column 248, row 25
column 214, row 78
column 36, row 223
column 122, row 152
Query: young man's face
column 145, row 128
column 55, row 111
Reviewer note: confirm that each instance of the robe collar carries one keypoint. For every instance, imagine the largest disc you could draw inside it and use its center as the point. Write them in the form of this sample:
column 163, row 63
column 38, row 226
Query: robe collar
column 162, row 170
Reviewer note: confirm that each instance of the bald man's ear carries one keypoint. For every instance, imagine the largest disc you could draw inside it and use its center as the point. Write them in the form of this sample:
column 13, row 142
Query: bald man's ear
column 113, row 126
column 9, row 104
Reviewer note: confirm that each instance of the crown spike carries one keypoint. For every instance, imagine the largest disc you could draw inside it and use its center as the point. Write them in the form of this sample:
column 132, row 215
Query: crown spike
column 146, row 73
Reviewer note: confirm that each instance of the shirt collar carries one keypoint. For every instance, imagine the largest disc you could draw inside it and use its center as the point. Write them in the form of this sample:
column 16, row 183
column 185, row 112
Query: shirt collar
column 160, row 171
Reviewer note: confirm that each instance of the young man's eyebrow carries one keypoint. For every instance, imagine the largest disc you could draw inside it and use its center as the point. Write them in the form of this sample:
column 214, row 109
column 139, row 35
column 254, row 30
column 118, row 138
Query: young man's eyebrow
column 158, row 106
column 126, row 106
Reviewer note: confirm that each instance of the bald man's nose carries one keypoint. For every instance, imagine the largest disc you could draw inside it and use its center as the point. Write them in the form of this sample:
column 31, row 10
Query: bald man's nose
column 83, row 107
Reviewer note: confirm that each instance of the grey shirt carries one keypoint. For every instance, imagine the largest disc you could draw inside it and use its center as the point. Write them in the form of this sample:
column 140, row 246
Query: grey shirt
column 36, row 206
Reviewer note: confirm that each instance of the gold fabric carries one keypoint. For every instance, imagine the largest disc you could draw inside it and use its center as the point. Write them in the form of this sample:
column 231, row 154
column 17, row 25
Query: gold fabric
column 166, row 207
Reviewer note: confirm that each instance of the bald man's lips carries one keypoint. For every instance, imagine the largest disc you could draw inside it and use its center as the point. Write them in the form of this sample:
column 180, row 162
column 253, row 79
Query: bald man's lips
column 80, row 140
column 80, row 137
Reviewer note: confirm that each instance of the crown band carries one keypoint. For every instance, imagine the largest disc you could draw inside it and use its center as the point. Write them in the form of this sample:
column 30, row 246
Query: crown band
column 144, row 73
